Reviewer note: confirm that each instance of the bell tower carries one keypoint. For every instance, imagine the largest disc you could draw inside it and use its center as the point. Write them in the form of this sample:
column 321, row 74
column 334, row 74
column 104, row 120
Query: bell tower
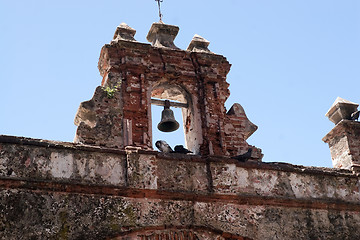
column 136, row 75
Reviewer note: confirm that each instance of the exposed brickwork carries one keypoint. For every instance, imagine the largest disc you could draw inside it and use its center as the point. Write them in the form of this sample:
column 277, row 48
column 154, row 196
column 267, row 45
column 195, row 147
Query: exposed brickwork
column 344, row 143
column 143, row 71
column 114, row 186
column 344, row 138
column 237, row 128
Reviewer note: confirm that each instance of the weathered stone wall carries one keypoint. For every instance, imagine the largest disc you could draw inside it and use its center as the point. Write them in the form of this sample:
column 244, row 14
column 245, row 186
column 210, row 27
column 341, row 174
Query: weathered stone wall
column 138, row 72
column 116, row 187
column 52, row 190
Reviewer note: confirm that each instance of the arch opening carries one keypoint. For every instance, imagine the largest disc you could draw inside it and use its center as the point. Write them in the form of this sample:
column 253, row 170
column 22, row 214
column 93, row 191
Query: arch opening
column 185, row 113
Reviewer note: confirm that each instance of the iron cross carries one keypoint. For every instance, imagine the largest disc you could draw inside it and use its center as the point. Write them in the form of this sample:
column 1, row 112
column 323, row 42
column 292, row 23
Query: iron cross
column 160, row 15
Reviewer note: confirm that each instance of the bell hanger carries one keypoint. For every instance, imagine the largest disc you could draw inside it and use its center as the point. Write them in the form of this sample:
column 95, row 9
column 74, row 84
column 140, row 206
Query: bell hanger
column 168, row 122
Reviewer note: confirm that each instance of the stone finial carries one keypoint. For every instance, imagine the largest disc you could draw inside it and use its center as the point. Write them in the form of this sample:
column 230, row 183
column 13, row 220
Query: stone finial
column 341, row 109
column 238, row 111
column 163, row 35
column 199, row 44
column 344, row 144
column 344, row 138
column 124, row 32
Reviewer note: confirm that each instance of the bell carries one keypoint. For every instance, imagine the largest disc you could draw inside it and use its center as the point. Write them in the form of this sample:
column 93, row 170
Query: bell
column 168, row 122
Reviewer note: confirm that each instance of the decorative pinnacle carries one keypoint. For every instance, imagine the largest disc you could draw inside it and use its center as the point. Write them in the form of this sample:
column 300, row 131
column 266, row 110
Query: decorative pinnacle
column 341, row 109
column 125, row 33
column 199, row 44
column 162, row 35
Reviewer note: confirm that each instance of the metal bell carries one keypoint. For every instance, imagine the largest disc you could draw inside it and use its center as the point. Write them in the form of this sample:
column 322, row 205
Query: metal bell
column 168, row 122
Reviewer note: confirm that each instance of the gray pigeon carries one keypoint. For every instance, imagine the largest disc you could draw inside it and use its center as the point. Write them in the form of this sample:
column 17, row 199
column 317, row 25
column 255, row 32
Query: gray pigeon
column 355, row 115
column 181, row 149
column 244, row 157
column 163, row 146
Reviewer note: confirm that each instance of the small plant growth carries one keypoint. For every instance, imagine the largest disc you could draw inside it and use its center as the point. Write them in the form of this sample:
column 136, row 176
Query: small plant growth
column 110, row 91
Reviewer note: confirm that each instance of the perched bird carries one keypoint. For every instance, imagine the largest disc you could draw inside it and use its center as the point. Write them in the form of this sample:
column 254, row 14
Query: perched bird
column 181, row 149
column 244, row 157
column 355, row 115
column 163, row 146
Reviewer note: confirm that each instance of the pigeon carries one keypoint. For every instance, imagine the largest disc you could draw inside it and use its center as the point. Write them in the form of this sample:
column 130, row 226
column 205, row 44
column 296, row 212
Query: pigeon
column 355, row 115
column 163, row 146
column 181, row 149
column 243, row 157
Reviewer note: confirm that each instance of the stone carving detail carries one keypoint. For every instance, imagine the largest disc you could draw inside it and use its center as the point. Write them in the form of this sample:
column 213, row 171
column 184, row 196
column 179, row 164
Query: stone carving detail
column 163, row 35
column 340, row 110
column 125, row 33
column 199, row 44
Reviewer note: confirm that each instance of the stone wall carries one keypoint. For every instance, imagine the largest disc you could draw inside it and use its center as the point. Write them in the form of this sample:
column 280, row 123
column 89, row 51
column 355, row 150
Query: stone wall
column 344, row 144
column 137, row 72
column 110, row 184
column 55, row 190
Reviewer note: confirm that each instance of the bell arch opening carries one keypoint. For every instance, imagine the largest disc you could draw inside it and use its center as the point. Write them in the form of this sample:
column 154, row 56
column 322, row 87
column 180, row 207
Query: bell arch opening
column 185, row 112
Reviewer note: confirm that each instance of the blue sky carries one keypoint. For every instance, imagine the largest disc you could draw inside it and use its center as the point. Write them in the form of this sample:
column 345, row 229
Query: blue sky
column 290, row 60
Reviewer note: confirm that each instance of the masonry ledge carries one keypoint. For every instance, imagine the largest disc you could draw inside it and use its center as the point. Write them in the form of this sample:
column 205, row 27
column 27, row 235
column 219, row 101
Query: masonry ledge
column 132, row 193
column 342, row 128
column 36, row 163
column 65, row 145
column 279, row 166
column 134, row 45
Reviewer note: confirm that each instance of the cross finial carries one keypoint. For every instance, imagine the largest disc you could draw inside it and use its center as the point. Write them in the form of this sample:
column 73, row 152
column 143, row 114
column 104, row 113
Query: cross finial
column 160, row 15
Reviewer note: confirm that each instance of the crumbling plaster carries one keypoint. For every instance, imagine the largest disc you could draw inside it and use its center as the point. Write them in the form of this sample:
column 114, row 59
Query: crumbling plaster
column 141, row 71
column 71, row 191
column 110, row 184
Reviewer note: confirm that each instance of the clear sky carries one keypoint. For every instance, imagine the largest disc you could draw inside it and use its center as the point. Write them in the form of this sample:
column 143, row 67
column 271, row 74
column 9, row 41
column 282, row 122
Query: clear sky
column 290, row 60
